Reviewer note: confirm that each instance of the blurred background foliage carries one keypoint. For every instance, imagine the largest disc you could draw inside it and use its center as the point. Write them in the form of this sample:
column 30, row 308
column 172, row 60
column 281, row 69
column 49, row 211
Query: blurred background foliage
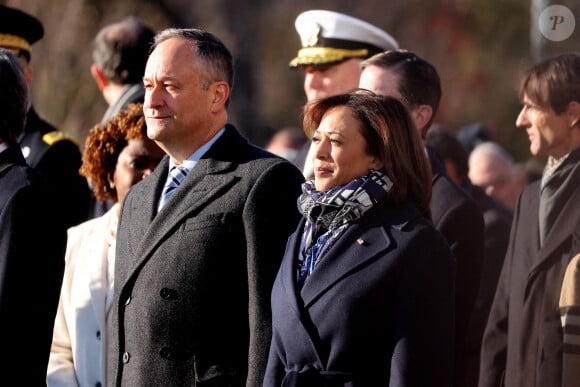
column 480, row 48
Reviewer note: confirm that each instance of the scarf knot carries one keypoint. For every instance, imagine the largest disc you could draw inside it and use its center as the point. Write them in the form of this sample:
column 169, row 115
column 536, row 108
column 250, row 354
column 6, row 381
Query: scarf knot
column 328, row 213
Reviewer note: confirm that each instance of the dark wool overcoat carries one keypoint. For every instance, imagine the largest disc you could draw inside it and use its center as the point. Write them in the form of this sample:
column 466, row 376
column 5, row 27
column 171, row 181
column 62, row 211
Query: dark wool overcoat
column 32, row 246
column 378, row 309
column 193, row 282
column 522, row 344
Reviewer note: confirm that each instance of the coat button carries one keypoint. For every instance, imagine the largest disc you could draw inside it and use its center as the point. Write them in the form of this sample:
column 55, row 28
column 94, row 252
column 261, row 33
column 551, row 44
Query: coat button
column 126, row 357
column 168, row 294
column 98, row 384
column 128, row 300
column 98, row 335
column 165, row 352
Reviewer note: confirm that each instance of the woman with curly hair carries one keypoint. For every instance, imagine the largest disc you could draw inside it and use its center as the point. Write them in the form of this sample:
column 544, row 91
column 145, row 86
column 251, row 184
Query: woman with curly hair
column 117, row 155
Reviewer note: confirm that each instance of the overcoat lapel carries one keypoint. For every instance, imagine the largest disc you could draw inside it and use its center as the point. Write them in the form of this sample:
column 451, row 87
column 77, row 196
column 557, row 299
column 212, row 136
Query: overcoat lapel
column 567, row 219
column 354, row 248
column 288, row 273
column 193, row 193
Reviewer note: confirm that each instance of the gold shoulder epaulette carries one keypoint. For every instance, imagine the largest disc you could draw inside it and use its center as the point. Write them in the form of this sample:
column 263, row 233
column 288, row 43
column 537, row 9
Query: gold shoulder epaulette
column 55, row 136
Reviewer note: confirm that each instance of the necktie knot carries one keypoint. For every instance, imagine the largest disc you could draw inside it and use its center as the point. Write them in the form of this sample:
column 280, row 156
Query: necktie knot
column 176, row 175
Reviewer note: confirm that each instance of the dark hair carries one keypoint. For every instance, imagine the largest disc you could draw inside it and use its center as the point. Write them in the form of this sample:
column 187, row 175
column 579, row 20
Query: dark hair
column 13, row 98
column 121, row 50
column 216, row 58
column 390, row 135
column 419, row 82
column 553, row 82
column 448, row 147
column 104, row 144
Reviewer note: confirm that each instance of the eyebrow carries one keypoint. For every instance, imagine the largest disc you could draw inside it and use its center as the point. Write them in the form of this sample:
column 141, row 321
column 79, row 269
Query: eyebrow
column 329, row 132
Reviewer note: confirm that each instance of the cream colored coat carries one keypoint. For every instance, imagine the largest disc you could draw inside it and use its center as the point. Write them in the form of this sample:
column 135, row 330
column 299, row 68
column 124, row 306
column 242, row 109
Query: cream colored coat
column 83, row 322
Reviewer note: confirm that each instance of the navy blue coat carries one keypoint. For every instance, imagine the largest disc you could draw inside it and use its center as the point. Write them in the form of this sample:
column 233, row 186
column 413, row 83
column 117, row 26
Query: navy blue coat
column 378, row 309
column 32, row 245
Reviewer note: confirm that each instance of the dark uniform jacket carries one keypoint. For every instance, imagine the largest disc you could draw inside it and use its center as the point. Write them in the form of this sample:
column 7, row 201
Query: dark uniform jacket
column 523, row 340
column 32, row 245
column 457, row 216
column 193, row 282
column 377, row 311
column 58, row 159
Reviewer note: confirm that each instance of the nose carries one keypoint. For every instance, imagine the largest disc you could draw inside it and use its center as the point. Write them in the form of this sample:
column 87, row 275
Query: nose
column 311, row 80
column 153, row 97
column 320, row 149
column 522, row 120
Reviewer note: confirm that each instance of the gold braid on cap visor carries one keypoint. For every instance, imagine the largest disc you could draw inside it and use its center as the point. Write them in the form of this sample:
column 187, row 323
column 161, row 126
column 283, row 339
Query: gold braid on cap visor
column 323, row 55
column 14, row 42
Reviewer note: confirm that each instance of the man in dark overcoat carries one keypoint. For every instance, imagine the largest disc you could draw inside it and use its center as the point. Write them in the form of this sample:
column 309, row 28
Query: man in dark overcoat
column 201, row 239
column 523, row 341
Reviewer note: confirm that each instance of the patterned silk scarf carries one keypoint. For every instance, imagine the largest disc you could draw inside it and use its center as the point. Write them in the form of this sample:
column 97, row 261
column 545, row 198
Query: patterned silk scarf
column 329, row 213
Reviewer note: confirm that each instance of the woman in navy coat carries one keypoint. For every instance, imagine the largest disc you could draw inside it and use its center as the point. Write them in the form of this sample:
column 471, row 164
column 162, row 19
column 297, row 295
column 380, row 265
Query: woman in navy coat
column 364, row 296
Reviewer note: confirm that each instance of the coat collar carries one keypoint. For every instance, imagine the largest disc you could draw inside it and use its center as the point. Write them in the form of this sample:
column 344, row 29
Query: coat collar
column 360, row 243
column 11, row 156
column 207, row 180
column 566, row 222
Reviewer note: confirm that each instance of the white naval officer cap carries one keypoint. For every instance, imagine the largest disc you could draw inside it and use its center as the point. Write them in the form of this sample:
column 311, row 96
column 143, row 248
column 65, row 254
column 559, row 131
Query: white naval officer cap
column 330, row 37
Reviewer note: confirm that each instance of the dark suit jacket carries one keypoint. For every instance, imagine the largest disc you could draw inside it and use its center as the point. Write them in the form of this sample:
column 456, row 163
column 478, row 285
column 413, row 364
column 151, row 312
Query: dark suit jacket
column 457, row 216
column 32, row 245
column 377, row 310
column 58, row 159
column 522, row 345
column 193, row 282
column 497, row 220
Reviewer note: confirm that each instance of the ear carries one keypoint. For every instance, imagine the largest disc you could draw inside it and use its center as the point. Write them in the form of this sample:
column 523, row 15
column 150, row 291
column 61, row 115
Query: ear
column 219, row 94
column 376, row 163
column 421, row 116
column 26, row 69
column 99, row 77
column 573, row 114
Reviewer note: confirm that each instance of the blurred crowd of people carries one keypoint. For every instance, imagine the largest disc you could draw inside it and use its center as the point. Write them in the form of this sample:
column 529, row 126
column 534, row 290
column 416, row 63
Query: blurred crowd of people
column 370, row 247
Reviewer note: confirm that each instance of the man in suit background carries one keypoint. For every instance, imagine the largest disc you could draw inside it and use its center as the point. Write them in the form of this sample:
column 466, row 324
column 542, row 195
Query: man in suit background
column 32, row 242
column 120, row 51
column 403, row 74
column 56, row 156
column 333, row 46
column 497, row 220
column 194, row 271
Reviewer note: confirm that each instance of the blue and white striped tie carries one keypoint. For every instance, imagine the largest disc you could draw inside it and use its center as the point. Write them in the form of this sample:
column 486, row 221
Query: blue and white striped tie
column 176, row 175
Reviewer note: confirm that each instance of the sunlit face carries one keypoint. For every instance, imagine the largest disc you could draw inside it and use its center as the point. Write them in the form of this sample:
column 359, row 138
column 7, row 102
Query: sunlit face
column 136, row 161
column 327, row 80
column 176, row 105
column 340, row 150
column 549, row 133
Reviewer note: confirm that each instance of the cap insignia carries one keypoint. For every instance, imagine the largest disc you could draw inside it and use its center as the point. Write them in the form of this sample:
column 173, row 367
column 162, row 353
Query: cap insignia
column 310, row 35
